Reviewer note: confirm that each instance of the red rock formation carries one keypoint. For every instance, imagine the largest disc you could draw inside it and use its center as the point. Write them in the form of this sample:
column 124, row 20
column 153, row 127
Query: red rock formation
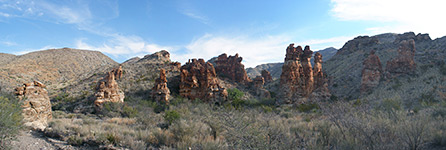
column 307, row 71
column 258, row 83
column 267, row 76
column 199, row 81
column 108, row 89
column 371, row 73
column 160, row 92
column 36, row 106
column 318, row 75
column 298, row 79
column 290, row 79
column 404, row 63
column 232, row 68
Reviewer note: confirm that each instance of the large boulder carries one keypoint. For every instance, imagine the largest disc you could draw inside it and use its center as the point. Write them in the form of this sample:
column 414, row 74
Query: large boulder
column 258, row 83
column 199, row 81
column 231, row 67
column 36, row 105
column 297, row 81
column 404, row 63
column 107, row 90
column 371, row 73
column 160, row 92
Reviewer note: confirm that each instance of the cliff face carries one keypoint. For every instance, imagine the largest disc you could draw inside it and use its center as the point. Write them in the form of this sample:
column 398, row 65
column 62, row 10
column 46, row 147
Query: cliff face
column 36, row 105
column 371, row 73
column 231, row 67
column 199, row 81
column 405, row 66
column 404, row 62
column 297, row 81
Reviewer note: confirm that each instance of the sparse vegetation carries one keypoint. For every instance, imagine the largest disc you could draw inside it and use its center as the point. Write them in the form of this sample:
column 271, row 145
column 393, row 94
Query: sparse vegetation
column 197, row 125
column 10, row 120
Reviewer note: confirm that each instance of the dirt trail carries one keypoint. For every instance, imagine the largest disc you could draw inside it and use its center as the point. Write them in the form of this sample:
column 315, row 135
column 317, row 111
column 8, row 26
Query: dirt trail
column 32, row 140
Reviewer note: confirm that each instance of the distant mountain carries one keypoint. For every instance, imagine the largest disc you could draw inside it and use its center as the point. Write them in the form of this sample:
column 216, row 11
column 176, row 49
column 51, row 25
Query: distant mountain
column 276, row 68
column 57, row 68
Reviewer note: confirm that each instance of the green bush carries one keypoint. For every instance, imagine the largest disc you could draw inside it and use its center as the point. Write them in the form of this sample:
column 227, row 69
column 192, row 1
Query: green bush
column 171, row 116
column 235, row 94
column 10, row 120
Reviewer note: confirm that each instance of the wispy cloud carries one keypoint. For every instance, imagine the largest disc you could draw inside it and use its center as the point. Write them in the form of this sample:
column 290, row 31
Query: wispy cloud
column 399, row 15
column 32, row 50
column 8, row 43
column 201, row 18
column 120, row 45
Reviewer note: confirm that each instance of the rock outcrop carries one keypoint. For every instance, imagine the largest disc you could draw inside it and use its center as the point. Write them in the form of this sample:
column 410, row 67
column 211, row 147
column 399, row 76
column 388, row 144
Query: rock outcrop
column 258, row 83
column 160, row 92
column 231, row 67
column 199, row 81
column 297, row 81
column 267, row 76
column 162, row 56
column 36, row 105
column 108, row 89
column 358, row 43
column 404, row 63
column 371, row 73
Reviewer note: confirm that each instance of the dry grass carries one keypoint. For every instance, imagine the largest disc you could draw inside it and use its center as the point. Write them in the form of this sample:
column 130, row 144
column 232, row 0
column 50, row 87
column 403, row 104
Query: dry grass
column 343, row 125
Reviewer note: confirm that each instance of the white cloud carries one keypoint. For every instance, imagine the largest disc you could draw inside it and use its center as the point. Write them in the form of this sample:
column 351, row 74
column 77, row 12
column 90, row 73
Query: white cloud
column 254, row 51
column 123, row 45
column 33, row 50
column 397, row 15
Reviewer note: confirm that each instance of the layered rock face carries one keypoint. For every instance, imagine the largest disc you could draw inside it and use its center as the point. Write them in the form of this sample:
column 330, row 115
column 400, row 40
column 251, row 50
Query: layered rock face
column 108, row 89
column 297, row 80
column 160, row 92
column 232, row 68
column 199, row 81
column 404, row 63
column 267, row 76
column 36, row 106
column 371, row 73
column 258, row 83
column 318, row 75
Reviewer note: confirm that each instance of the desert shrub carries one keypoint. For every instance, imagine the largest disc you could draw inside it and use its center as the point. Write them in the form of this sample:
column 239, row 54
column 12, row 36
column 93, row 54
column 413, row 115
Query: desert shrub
column 75, row 140
column 390, row 104
column 10, row 120
column 307, row 107
column 128, row 111
column 171, row 116
column 110, row 109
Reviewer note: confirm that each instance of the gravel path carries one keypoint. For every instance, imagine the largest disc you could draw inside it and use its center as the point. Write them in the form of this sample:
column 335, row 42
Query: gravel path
column 32, row 140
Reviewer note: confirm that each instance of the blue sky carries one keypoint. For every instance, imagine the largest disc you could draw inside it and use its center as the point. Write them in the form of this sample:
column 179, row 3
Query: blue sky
column 259, row 30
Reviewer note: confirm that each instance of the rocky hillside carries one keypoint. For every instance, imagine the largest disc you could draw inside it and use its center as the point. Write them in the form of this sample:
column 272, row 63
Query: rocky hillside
column 425, row 83
column 276, row 68
column 4, row 58
column 56, row 68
